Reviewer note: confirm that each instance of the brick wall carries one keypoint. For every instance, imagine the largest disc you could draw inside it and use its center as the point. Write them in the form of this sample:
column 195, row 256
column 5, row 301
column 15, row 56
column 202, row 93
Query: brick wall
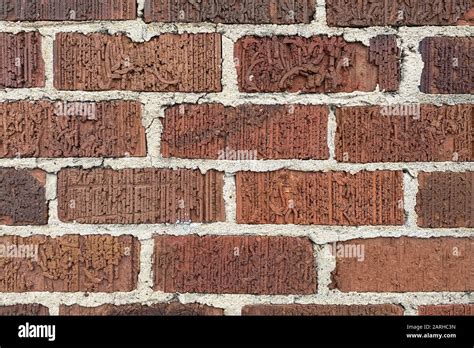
column 242, row 158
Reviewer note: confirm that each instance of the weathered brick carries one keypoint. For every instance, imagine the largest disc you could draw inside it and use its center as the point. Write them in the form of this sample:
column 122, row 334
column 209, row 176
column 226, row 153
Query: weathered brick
column 447, row 310
column 167, row 63
column 71, row 129
column 320, row 198
column 405, row 133
column 448, row 65
column 24, row 310
column 363, row 13
column 230, row 11
column 134, row 196
column 405, row 264
column 322, row 310
column 23, row 197
column 67, row 10
column 246, row 132
column 445, row 200
column 21, row 61
column 318, row 64
column 234, row 264
column 72, row 263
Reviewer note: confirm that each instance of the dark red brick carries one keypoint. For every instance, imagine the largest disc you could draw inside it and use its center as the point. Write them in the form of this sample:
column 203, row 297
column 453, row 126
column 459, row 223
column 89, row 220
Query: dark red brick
column 322, row 310
column 447, row 310
column 24, row 310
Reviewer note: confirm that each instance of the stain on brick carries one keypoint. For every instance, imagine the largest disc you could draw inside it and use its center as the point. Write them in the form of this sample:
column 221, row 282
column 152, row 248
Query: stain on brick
column 71, row 129
column 331, row 198
column 167, row 63
column 24, row 310
column 72, row 263
column 322, row 310
column 246, row 132
column 135, row 196
column 234, row 265
column 445, row 200
column 447, row 310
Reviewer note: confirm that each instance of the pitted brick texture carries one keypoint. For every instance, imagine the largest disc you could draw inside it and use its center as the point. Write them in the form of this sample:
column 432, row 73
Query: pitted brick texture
column 447, row 310
column 246, row 132
column 72, row 263
column 139, row 196
column 330, row 198
column 234, row 265
column 24, row 310
column 322, row 310
column 71, row 129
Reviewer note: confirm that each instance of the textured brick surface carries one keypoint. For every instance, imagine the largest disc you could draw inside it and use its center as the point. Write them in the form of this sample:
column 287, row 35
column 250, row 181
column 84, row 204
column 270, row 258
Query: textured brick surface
column 71, row 129
column 24, row 309
column 448, row 65
column 447, row 310
column 445, row 199
column 230, row 11
column 406, row 264
column 332, row 198
column 167, row 63
column 405, row 133
column 246, row 132
column 231, row 265
column 133, row 196
column 322, row 310
column 21, row 62
column 361, row 13
column 67, row 10
column 317, row 64
column 22, row 197
column 72, row 263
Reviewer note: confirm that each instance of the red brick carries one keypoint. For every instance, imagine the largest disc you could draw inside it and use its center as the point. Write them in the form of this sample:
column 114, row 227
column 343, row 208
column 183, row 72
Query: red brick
column 167, row 63
column 229, row 11
column 135, row 196
column 318, row 64
column 67, row 10
column 330, row 198
column 448, row 65
column 447, row 310
column 405, row 265
column 71, row 129
column 445, row 200
column 72, row 263
column 24, row 310
column 322, row 310
column 234, row 265
column 23, row 197
column 21, row 61
column 213, row 131
column 405, row 133
column 364, row 13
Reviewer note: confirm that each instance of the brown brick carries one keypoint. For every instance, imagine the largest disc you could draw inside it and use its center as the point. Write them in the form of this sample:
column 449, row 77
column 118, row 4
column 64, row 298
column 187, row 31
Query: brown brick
column 448, row 65
column 447, row 310
column 234, row 265
column 167, row 63
column 23, row 197
column 330, row 198
column 136, row 309
column 71, row 129
column 67, row 10
column 21, row 60
column 405, row 265
column 72, row 263
column 246, row 132
column 230, row 11
column 322, row 310
column 24, row 310
column 363, row 13
column 405, row 133
column 134, row 196
column 318, row 64
column 445, row 200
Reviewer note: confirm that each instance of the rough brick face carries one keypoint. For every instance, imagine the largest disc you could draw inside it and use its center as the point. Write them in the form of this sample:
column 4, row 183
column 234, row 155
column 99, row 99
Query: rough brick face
column 230, row 11
column 246, row 132
column 233, row 265
column 24, row 309
column 445, row 200
column 405, row 133
column 23, row 197
column 406, row 265
column 447, row 310
column 134, row 196
column 71, row 129
column 167, row 63
column 318, row 64
column 322, row 310
column 72, row 263
column 21, row 61
column 332, row 198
